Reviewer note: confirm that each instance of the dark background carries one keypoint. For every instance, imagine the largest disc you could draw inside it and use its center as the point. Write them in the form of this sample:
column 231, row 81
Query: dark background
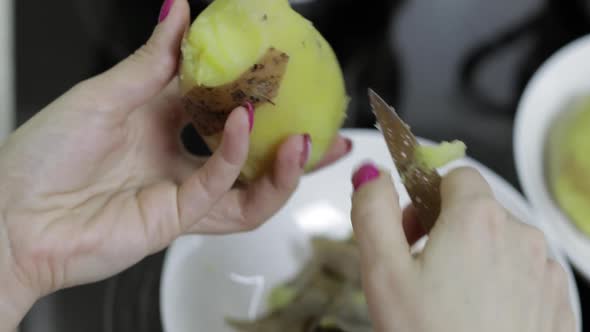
column 453, row 69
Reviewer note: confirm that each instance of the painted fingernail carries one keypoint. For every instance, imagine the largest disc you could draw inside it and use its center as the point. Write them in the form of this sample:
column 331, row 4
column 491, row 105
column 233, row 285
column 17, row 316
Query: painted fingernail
column 364, row 174
column 165, row 10
column 306, row 153
column 250, row 108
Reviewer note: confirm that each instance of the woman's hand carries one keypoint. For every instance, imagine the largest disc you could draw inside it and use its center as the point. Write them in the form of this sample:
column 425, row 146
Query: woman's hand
column 99, row 179
column 480, row 271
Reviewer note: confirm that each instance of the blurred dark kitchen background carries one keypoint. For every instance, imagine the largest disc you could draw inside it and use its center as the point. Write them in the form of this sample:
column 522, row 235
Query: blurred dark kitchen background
column 453, row 69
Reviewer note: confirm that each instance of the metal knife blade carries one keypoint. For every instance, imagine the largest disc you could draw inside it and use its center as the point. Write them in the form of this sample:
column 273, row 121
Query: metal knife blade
column 423, row 185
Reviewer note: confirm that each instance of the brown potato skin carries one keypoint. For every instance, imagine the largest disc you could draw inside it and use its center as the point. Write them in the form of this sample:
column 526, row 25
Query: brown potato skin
column 209, row 107
column 423, row 187
column 422, row 184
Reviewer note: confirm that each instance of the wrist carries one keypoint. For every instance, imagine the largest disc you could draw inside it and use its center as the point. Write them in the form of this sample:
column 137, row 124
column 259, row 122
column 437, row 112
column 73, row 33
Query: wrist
column 15, row 298
column 14, row 305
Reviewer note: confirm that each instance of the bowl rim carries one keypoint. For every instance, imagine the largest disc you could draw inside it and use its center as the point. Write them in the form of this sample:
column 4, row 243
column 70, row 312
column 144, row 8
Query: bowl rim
column 564, row 234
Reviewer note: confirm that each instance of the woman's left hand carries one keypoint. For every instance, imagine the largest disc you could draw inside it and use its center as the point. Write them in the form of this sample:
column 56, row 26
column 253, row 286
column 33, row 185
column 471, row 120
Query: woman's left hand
column 99, row 180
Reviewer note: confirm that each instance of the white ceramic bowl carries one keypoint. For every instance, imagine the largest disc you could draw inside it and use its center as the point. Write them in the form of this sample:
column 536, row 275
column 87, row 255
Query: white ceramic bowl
column 208, row 278
column 563, row 77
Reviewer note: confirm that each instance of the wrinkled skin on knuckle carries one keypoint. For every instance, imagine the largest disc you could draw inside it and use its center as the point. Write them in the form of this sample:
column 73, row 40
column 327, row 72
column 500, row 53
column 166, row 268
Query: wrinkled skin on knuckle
column 482, row 218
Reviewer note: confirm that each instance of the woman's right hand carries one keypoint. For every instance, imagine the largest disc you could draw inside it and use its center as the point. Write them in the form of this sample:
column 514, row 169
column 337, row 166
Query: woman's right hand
column 481, row 270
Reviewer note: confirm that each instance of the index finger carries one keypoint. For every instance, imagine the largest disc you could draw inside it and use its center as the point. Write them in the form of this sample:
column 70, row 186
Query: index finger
column 377, row 219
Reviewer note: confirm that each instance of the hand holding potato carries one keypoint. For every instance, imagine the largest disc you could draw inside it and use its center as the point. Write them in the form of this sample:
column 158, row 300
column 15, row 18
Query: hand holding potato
column 480, row 270
column 98, row 179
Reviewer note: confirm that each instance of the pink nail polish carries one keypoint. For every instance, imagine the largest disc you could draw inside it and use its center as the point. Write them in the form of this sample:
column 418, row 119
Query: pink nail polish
column 165, row 10
column 250, row 108
column 306, row 153
column 364, row 174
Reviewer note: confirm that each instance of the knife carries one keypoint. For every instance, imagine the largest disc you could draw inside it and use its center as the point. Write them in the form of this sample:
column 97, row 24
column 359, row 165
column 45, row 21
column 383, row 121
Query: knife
column 421, row 183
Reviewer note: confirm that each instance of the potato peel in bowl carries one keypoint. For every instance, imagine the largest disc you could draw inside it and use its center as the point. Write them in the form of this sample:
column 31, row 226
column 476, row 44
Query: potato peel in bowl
column 327, row 293
column 325, row 296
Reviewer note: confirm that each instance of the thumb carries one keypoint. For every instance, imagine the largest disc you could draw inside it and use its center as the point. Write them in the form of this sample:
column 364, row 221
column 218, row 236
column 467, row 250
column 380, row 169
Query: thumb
column 377, row 222
column 148, row 71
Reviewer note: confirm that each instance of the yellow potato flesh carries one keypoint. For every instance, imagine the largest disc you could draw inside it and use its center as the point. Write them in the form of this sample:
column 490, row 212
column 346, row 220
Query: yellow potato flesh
column 569, row 164
column 436, row 156
column 229, row 36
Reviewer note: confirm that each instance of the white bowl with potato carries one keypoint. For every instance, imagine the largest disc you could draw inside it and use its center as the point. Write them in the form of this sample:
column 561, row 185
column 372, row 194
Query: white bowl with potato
column 209, row 279
column 552, row 149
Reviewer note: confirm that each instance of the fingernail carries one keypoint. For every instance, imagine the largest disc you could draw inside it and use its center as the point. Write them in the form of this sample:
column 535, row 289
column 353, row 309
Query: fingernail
column 165, row 10
column 250, row 108
column 364, row 174
column 348, row 145
column 306, row 153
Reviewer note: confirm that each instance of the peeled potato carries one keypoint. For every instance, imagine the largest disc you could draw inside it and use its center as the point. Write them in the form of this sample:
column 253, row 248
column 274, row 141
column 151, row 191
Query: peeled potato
column 436, row 156
column 265, row 53
column 568, row 165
